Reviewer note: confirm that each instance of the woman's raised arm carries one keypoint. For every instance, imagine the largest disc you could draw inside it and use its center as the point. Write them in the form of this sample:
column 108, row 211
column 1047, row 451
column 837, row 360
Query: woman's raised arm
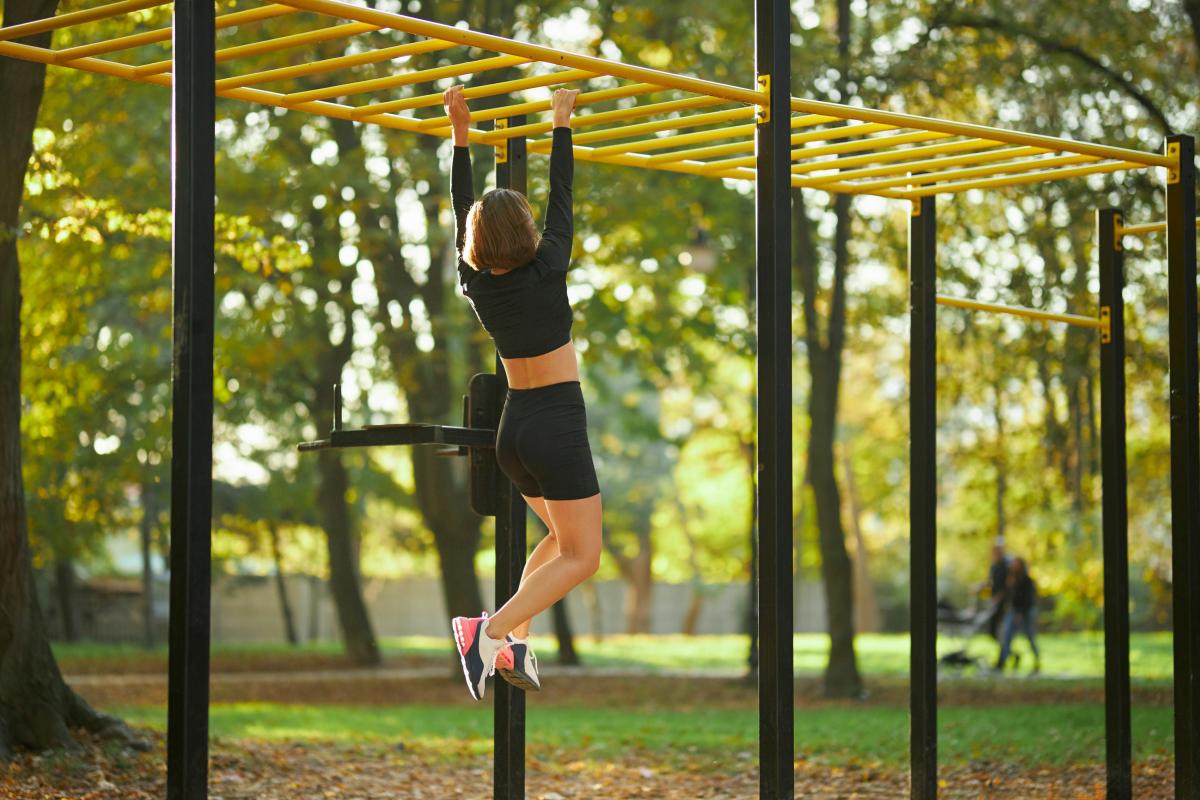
column 559, row 229
column 462, row 184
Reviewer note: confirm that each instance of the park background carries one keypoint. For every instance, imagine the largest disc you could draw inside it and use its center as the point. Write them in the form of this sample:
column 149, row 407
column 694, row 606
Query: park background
column 335, row 265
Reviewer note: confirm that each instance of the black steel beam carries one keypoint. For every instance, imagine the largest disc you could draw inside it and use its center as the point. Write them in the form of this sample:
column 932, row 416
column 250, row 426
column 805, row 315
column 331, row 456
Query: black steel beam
column 1115, row 514
column 406, row 434
column 773, row 253
column 1185, row 461
column 192, row 240
column 508, row 764
column 922, row 258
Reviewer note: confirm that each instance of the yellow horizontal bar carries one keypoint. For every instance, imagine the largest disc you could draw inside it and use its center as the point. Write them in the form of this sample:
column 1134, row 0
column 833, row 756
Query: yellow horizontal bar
column 520, row 85
column 1095, row 323
column 856, row 145
column 698, row 153
column 339, row 111
column 981, row 131
column 676, row 123
column 335, row 63
column 662, row 142
column 1026, row 165
column 1029, row 177
column 601, row 117
column 842, row 147
column 407, row 78
column 76, row 18
column 939, row 149
column 270, row 45
column 921, row 165
column 42, row 55
column 68, row 54
column 533, row 52
column 1145, row 227
column 425, row 101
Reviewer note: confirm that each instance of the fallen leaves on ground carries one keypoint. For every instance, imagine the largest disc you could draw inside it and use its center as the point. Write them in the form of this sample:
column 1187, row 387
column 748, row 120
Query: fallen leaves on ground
column 298, row 770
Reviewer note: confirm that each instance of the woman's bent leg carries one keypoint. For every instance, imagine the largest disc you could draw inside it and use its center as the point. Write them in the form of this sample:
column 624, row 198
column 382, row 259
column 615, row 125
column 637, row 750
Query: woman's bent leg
column 577, row 527
column 546, row 549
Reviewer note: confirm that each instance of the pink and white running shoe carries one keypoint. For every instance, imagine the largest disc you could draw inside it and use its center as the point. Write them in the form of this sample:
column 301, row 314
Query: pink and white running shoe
column 477, row 651
column 516, row 663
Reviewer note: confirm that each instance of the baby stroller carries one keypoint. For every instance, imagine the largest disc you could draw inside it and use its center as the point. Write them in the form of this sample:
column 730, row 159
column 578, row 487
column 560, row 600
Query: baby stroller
column 959, row 625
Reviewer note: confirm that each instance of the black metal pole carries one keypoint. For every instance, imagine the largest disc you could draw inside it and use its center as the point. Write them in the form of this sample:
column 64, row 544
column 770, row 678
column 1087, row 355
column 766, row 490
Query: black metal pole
column 1115, row 518
column 773, row 188
column 508, row 765
column 922, row 257
column 1185, row 460
column 192, row 188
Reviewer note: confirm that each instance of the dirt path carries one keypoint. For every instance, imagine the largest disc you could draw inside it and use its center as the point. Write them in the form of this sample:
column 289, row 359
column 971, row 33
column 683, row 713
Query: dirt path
column 567, row 687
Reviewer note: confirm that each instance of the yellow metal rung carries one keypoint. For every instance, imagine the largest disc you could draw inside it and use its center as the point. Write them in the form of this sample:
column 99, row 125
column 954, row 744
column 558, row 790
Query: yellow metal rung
column 271, row 45
column 1029, row 177
column 406, row 79
column 76, row 18
column 69, row 54
column 516, row 109
column 427, row 100
column 335, row 63
column 599, row 118
column 1079, row 320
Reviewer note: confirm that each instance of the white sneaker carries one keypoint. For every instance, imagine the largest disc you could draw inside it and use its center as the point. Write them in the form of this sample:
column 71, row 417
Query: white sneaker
column 516, row 663
column 476, row 650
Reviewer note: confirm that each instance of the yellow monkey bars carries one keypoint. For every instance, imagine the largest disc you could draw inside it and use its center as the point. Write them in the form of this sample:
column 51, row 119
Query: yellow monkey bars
column 329, row 59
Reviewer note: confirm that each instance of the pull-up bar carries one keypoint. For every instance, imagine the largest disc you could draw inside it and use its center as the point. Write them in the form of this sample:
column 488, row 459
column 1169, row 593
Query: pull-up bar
column 1102, row 323
column 1144, row 228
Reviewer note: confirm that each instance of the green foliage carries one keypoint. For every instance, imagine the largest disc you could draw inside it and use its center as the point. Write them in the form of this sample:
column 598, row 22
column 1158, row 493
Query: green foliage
column 333, row 241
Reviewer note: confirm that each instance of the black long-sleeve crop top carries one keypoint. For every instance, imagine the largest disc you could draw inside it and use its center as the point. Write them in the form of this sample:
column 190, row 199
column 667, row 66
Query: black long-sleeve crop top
column 525, row 310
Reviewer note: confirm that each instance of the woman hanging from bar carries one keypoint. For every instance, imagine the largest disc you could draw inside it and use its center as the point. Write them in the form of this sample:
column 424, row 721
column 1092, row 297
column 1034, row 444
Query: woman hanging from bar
column 515, row 280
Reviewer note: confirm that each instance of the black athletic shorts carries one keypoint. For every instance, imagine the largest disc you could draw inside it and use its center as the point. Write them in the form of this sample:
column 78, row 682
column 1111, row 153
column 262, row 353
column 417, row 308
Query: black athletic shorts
column 542, row 443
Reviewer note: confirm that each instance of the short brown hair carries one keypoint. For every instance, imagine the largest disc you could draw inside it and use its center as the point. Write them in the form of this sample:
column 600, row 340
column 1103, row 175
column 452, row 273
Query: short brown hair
column 500, row 231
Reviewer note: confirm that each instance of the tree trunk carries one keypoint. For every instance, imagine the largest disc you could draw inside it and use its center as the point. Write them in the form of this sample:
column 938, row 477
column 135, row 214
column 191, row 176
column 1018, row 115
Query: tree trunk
column 66, row 588
column 866, row 607
column 841, row 674
column 285, row 605
column 640, row 592
column 752, row 531
column 37, row 708
column 1001, row 465
column 591, row 600
column 344, row 581
column 635, row 571
column 567, row 656
column 441, row 493
column 842, row 677
column 146, row 532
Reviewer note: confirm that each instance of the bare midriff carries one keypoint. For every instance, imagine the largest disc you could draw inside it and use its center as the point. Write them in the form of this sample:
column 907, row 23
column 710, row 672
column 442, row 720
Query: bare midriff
column 557, row 366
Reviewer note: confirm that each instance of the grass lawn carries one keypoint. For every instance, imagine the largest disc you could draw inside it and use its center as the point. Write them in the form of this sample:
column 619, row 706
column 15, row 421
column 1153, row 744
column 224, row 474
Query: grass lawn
column 718, row 739
column 1064, row 655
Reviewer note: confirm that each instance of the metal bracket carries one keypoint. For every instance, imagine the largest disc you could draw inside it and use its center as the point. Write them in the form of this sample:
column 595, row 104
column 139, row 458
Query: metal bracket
column 1118, row 233
column 501, row 145
column 1173, row 171
column 1106, row 323
column 915, row 209
column 762, row 113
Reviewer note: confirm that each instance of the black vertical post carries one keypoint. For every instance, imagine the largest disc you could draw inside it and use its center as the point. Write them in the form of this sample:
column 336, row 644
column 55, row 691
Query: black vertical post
column 773, row 187
column 1114, row 520
column 922, row 258
column 193, row 184
column 1185, row 460
column 508, row 765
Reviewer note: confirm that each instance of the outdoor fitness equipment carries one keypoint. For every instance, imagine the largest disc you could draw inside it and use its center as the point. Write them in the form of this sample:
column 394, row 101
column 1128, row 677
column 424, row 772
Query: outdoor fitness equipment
column 761, row 134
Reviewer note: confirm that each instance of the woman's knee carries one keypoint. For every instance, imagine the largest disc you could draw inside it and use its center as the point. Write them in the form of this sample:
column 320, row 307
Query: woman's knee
column 586, row 560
